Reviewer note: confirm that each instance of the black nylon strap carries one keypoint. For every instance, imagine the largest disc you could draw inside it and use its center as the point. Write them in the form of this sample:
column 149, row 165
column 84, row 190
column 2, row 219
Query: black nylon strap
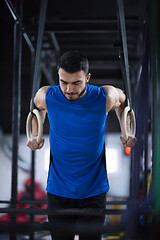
column 36, row 83
column 124, row 55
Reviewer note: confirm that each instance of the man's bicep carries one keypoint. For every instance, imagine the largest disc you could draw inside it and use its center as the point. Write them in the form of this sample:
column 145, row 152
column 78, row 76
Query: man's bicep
column 39, row 98
column 112, row 98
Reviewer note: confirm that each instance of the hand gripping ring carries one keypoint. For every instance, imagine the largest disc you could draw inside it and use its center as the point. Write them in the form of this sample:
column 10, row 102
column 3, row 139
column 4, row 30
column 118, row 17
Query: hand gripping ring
column 40, row 125
column 127, row 111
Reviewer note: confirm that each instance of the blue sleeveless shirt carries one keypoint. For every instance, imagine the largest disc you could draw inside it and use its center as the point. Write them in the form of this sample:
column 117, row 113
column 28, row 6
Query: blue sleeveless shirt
column 77, row 132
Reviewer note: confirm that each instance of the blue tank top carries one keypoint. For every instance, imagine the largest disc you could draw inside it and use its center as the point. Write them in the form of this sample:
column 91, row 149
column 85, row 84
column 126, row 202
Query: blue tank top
column 77, row 132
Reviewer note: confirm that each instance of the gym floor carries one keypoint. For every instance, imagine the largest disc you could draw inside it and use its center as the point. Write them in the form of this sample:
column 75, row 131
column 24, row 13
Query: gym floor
column 37, row 236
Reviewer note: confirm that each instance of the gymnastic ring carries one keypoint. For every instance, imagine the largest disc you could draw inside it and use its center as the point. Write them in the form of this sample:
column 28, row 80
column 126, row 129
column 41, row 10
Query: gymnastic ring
column 40, row 125
column 127, row 111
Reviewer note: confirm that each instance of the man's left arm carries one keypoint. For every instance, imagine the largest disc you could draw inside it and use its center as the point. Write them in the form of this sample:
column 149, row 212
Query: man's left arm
column 116, row 101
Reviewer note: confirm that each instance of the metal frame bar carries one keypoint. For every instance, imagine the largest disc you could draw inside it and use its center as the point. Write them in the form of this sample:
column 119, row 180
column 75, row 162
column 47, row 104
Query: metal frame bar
column 55, row 42
column 87, row 25
column 85, row 228
column 13, row 11
column 74, row 32
column 16, row 112
column 32, row 188
column 45, row 201
column 28, row 41
column 132, row 21
column 16, row 106
column 155, row 75
column 75, row 211
column 147, row 106
column 47, row 74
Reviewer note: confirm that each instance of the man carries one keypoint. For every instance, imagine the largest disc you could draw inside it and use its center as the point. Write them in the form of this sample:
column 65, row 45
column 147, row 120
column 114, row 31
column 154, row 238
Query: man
column 77, row 114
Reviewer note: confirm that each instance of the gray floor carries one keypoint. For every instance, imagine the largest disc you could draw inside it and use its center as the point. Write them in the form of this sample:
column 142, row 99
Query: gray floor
column 37, row 236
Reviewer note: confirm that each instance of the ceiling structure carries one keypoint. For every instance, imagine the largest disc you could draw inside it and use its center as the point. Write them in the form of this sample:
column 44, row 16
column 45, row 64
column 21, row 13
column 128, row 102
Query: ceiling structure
column 90, row 27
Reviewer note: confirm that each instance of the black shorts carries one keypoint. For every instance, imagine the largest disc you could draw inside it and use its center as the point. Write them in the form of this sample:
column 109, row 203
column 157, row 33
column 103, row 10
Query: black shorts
column 60, row 223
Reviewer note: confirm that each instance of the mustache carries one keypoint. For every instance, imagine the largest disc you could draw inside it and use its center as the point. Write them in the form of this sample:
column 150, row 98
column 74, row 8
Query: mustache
column 70, row 93
column 75, row 93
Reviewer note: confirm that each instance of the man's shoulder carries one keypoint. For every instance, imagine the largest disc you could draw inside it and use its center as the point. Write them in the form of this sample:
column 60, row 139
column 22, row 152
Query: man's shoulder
column 52, row 89
column 96, row 89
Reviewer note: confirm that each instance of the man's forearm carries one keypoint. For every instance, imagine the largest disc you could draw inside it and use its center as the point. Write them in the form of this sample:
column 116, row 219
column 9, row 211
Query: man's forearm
column 122, row 99
column 119, row 111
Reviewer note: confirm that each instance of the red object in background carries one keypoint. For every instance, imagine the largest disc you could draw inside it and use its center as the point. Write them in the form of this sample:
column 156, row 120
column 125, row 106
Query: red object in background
column 128, row 150
column 25, row 195
column 5, row 218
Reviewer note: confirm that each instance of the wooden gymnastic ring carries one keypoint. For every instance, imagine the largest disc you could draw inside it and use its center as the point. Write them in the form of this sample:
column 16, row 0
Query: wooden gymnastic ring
column 127, row 111
column 40, row 125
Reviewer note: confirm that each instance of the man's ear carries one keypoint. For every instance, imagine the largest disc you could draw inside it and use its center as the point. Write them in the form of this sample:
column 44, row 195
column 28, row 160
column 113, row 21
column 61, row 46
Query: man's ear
column 88, row 77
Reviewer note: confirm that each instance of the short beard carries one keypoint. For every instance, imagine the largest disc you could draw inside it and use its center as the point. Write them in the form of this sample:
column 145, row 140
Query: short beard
column 80, row 95
column 83, row 91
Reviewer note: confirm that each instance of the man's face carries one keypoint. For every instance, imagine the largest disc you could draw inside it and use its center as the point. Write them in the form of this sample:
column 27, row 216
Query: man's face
column 73, row 85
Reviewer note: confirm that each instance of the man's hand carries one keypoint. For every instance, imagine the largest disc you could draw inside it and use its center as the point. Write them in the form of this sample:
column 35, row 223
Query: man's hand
column 32, row 144
column 130, row 142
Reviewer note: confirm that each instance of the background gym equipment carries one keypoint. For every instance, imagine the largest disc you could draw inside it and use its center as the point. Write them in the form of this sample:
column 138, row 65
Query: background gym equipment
column 93, row 31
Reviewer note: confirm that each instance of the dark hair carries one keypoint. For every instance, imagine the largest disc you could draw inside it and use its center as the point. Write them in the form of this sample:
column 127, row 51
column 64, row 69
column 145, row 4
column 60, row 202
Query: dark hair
column 73, row 61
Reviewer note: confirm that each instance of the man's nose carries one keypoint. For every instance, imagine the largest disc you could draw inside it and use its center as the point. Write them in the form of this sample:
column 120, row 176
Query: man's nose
column 69, row 88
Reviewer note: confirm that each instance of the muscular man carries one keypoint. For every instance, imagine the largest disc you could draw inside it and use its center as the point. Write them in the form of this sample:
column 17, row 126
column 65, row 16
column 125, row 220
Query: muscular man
column 77, row 115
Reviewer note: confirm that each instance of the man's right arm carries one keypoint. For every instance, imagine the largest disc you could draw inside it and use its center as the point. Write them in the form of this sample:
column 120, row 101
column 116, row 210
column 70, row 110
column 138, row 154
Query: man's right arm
column 39, row 99
column 40, row 103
